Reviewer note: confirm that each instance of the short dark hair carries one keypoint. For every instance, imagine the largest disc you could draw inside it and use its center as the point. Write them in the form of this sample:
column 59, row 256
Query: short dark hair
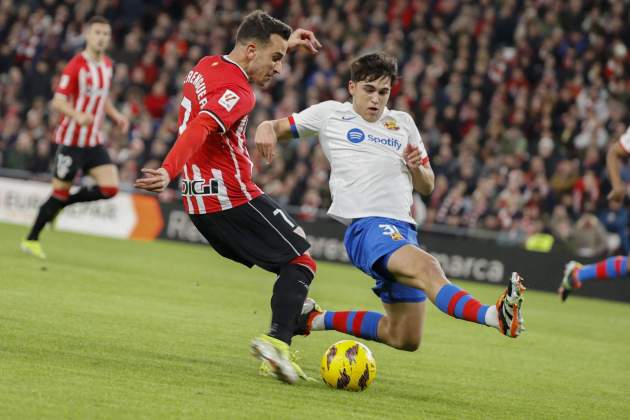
column 97, row 19
column 370, row 67
column 259, row 26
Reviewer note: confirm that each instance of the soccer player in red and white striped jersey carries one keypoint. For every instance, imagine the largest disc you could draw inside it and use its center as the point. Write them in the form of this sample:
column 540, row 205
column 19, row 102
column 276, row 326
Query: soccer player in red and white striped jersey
column 84, row 85
column 82, row 97
column 230, row 211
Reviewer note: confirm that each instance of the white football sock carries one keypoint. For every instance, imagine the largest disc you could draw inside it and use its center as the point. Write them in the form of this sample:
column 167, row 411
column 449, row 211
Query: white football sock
column 492, row 317
column 318, row 322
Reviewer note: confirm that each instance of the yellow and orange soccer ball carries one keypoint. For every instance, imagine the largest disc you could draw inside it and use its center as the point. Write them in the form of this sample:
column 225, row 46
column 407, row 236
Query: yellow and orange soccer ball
column 348, row 365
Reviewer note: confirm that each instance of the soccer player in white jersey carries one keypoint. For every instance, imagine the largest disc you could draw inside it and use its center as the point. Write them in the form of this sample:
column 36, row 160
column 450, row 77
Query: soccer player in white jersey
column 575, row 274
column 377, row 159
column 82, row 97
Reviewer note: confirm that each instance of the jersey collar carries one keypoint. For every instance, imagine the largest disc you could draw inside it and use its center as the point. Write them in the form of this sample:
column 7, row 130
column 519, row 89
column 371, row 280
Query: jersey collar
column 91, row 60
column 226, row 58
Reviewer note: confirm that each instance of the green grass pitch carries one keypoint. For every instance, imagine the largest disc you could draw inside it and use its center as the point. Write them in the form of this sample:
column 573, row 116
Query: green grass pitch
column 120, row 329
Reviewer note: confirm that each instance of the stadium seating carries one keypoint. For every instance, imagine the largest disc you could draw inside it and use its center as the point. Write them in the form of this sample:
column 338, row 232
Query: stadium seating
column 516, row 101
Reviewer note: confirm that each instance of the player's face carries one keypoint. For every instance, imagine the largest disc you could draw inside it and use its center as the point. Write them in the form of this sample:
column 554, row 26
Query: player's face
column 267, row 60
column 369, row 98
column 97, row 37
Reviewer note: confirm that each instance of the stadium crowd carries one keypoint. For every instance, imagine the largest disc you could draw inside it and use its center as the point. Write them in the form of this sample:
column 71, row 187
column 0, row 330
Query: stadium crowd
column 517, row 101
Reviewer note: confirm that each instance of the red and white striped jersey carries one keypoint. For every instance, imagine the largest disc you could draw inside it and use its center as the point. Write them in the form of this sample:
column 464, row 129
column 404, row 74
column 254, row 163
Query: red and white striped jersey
column 86, row 85
column 218, row 176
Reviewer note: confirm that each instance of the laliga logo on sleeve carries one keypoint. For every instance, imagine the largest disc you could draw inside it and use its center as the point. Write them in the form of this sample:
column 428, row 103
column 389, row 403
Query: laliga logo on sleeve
column 228, row 100
column 355, row 135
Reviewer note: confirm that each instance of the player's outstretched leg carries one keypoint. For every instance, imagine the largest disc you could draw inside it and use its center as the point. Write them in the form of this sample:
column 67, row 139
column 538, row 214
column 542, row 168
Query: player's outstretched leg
column 289, row 294
column 416, row 268
column 362, row 324
column 47, row 211
column 575, row 274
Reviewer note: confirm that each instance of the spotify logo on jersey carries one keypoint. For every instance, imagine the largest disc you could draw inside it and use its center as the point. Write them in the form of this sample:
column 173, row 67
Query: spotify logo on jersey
column 356, row 135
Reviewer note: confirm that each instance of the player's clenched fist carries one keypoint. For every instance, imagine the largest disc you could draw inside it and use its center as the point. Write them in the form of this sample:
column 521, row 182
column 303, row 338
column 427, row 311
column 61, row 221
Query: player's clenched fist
column 412, row 156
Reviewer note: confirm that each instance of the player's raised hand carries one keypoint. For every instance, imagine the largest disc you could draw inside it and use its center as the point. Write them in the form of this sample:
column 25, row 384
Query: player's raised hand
column 265, row 140
column 155, row 180
column 304, row 39
column 412, row 156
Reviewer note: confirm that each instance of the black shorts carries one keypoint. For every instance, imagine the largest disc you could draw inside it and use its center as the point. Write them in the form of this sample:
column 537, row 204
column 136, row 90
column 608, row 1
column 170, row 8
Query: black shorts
column 70, row 159
column 257, row 233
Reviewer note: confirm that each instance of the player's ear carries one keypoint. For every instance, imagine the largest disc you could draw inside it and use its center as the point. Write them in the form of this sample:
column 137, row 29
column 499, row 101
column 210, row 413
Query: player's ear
column 250, row 50
column 351, row 87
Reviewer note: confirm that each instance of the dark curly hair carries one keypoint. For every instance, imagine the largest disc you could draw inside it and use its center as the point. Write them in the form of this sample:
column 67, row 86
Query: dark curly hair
column 370, row 67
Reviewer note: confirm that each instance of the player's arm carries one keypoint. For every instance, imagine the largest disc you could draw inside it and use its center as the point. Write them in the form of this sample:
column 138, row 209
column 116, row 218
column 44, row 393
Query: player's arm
column 267, row 135
column 417, row 160
column 225, row 106
column 118, row 117
column 191, row 139
column 303, row 124
column 422, row 176
column 60, row 103
column 616, row 152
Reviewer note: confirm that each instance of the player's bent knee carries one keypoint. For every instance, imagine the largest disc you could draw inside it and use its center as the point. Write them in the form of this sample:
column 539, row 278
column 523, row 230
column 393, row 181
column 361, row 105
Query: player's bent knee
column 401, row 336
column 108, row 192
column 305, row 260
column 410, row 346
column 407, row 343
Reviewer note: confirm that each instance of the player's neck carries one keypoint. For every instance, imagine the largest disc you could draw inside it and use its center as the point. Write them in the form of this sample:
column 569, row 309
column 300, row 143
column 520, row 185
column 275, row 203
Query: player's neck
column 94, row 55
column 238, row 58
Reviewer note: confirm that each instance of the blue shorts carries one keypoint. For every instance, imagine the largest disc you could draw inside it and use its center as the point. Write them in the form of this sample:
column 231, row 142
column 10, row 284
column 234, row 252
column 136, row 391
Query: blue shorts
column 370, row 242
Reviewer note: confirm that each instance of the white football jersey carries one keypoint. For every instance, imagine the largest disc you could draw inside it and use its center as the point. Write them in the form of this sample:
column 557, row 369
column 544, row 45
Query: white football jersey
column 368, row 176
column 625, row 140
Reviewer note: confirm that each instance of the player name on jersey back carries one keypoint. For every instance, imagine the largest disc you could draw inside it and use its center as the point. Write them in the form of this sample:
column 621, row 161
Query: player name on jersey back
column 218, row 176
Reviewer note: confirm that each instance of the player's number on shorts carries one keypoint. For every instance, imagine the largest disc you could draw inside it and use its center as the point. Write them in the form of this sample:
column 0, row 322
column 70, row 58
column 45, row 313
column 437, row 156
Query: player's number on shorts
column 389, row 230
column 187, row 105
column 284, row 216
column 63, row 165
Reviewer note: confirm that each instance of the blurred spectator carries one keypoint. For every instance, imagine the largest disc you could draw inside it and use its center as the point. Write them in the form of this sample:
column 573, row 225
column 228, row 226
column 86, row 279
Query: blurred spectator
column 589, row 237
column 516, row 101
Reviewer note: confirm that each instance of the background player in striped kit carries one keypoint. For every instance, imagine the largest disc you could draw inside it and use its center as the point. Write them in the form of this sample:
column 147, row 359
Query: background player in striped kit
column 82, row 97
column 227, row 207
column 575, row 274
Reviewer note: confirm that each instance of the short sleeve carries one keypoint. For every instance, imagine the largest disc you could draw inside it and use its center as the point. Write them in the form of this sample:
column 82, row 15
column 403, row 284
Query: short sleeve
column 625, row 140
column 229, row 104
column 310, row 121
column 416, row 140
column 69, row 80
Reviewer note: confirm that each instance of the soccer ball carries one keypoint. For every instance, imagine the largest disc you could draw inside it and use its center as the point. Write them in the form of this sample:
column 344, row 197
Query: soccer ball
column 348, row 365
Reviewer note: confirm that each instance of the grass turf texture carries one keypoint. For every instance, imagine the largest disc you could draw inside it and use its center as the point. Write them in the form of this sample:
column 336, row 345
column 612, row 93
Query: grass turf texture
column 120, row 329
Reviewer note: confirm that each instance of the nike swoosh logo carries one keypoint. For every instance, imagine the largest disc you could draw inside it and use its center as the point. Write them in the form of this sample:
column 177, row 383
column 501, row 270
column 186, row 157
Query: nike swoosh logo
column 347, row 118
